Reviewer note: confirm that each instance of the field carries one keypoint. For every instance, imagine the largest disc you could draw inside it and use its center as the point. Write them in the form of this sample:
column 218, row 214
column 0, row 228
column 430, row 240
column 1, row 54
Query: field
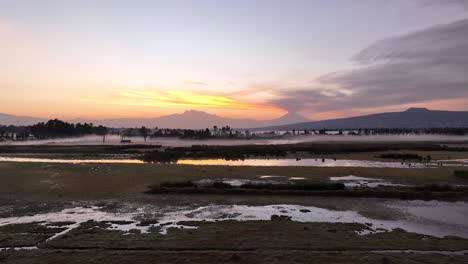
column 118, row 191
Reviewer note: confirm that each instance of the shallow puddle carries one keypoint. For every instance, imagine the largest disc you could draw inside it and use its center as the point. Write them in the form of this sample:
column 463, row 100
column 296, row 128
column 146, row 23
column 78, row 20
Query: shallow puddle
column 270, row 176
column 233, row 182
column 423, row 217
column 296, row 178
column 18, row 248
column 352, row 181
column 136, row 227
column 414, row 222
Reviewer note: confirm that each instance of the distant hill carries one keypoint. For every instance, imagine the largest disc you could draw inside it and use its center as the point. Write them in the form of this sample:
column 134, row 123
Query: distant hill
column 411, row 118
column 7, row 120
column 188, row 119
column 195, row 120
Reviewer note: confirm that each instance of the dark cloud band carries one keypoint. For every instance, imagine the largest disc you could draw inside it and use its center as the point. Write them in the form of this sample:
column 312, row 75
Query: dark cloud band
column 431, row 64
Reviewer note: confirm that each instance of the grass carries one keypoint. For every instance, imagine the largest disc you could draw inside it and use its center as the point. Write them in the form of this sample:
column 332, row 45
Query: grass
column 25, row 235
column 403, row 156
column 302, row 186
column 248, row 242
column 36, row 182
column 242, row 242
column 191, row 184
column 424, row 192
column 184, row 184
column 462, row 174
column 252, row 235
column 438, row 188
column 240, row 152
column 340, row 150
column 161, row 156
column 78, row 149
column 319, row 186
column 274, row 256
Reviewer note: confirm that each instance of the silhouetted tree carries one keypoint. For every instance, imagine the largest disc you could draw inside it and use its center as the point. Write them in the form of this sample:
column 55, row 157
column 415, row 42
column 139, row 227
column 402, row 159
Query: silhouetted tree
column 144, row 132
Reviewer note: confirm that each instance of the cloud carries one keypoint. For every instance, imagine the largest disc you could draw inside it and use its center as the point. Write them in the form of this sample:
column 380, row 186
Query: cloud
column 427, row 65
column 462, row 3
column 172, row 99
column 195, row 83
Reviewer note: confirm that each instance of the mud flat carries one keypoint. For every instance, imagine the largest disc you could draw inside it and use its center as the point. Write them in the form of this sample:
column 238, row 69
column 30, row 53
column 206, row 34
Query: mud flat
column 81, row 212
column 233, row 233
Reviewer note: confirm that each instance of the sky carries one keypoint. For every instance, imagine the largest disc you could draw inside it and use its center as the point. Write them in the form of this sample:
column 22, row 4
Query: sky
column 235, row 58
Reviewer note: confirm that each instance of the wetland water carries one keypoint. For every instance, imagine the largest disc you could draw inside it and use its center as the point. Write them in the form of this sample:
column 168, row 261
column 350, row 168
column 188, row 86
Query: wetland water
column 246, row 162
column 431, row 218
column 352, row 181
column 176, row 142
column 302, row 163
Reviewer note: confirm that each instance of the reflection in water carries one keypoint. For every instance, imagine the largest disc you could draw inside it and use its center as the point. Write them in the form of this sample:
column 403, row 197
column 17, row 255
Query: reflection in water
column 247, row 162
column 71, row 161
column 301, row 163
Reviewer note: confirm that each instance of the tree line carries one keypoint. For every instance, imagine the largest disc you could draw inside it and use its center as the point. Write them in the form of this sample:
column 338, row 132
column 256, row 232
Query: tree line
column 54, row 129
column 59, row 129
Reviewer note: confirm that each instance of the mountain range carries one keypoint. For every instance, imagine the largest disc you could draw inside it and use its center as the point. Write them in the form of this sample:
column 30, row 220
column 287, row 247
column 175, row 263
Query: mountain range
column 411, row 118
column 189, row 119
column 6, row 120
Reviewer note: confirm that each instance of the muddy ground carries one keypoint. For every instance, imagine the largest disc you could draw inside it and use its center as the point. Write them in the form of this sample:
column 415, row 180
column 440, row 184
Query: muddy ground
column 31, row 188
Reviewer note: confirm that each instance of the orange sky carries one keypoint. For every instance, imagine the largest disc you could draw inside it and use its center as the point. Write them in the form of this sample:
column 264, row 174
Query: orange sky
column 238, row 59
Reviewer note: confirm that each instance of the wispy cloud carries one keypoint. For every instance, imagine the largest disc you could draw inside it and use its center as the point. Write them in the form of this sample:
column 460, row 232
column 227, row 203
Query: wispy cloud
column 173, row 98
column 418, row 67
column 461, row 3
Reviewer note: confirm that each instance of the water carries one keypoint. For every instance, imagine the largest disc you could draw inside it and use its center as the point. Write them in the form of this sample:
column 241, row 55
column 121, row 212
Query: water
column 423, row 217
column 176, row 142
column 301, row 163
column 246, row 162
column 69, row 161
column 270, row 176
column 297, row 178
column 352, row 181
column 234, row 182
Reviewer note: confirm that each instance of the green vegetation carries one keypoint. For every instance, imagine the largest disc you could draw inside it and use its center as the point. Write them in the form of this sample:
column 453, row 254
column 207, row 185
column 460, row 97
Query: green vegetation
column 161, row 156
column 57, row 128
column 439, row 188
column 462, row 174
column 403, row 156
column 82, row 150
column 184, row 184
column 241, row 152
column 241, row 242
column 48, row 183
column 302, row 186
column 316, row 188
column 224, row 235
column 25, row 235
column 44, row 187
